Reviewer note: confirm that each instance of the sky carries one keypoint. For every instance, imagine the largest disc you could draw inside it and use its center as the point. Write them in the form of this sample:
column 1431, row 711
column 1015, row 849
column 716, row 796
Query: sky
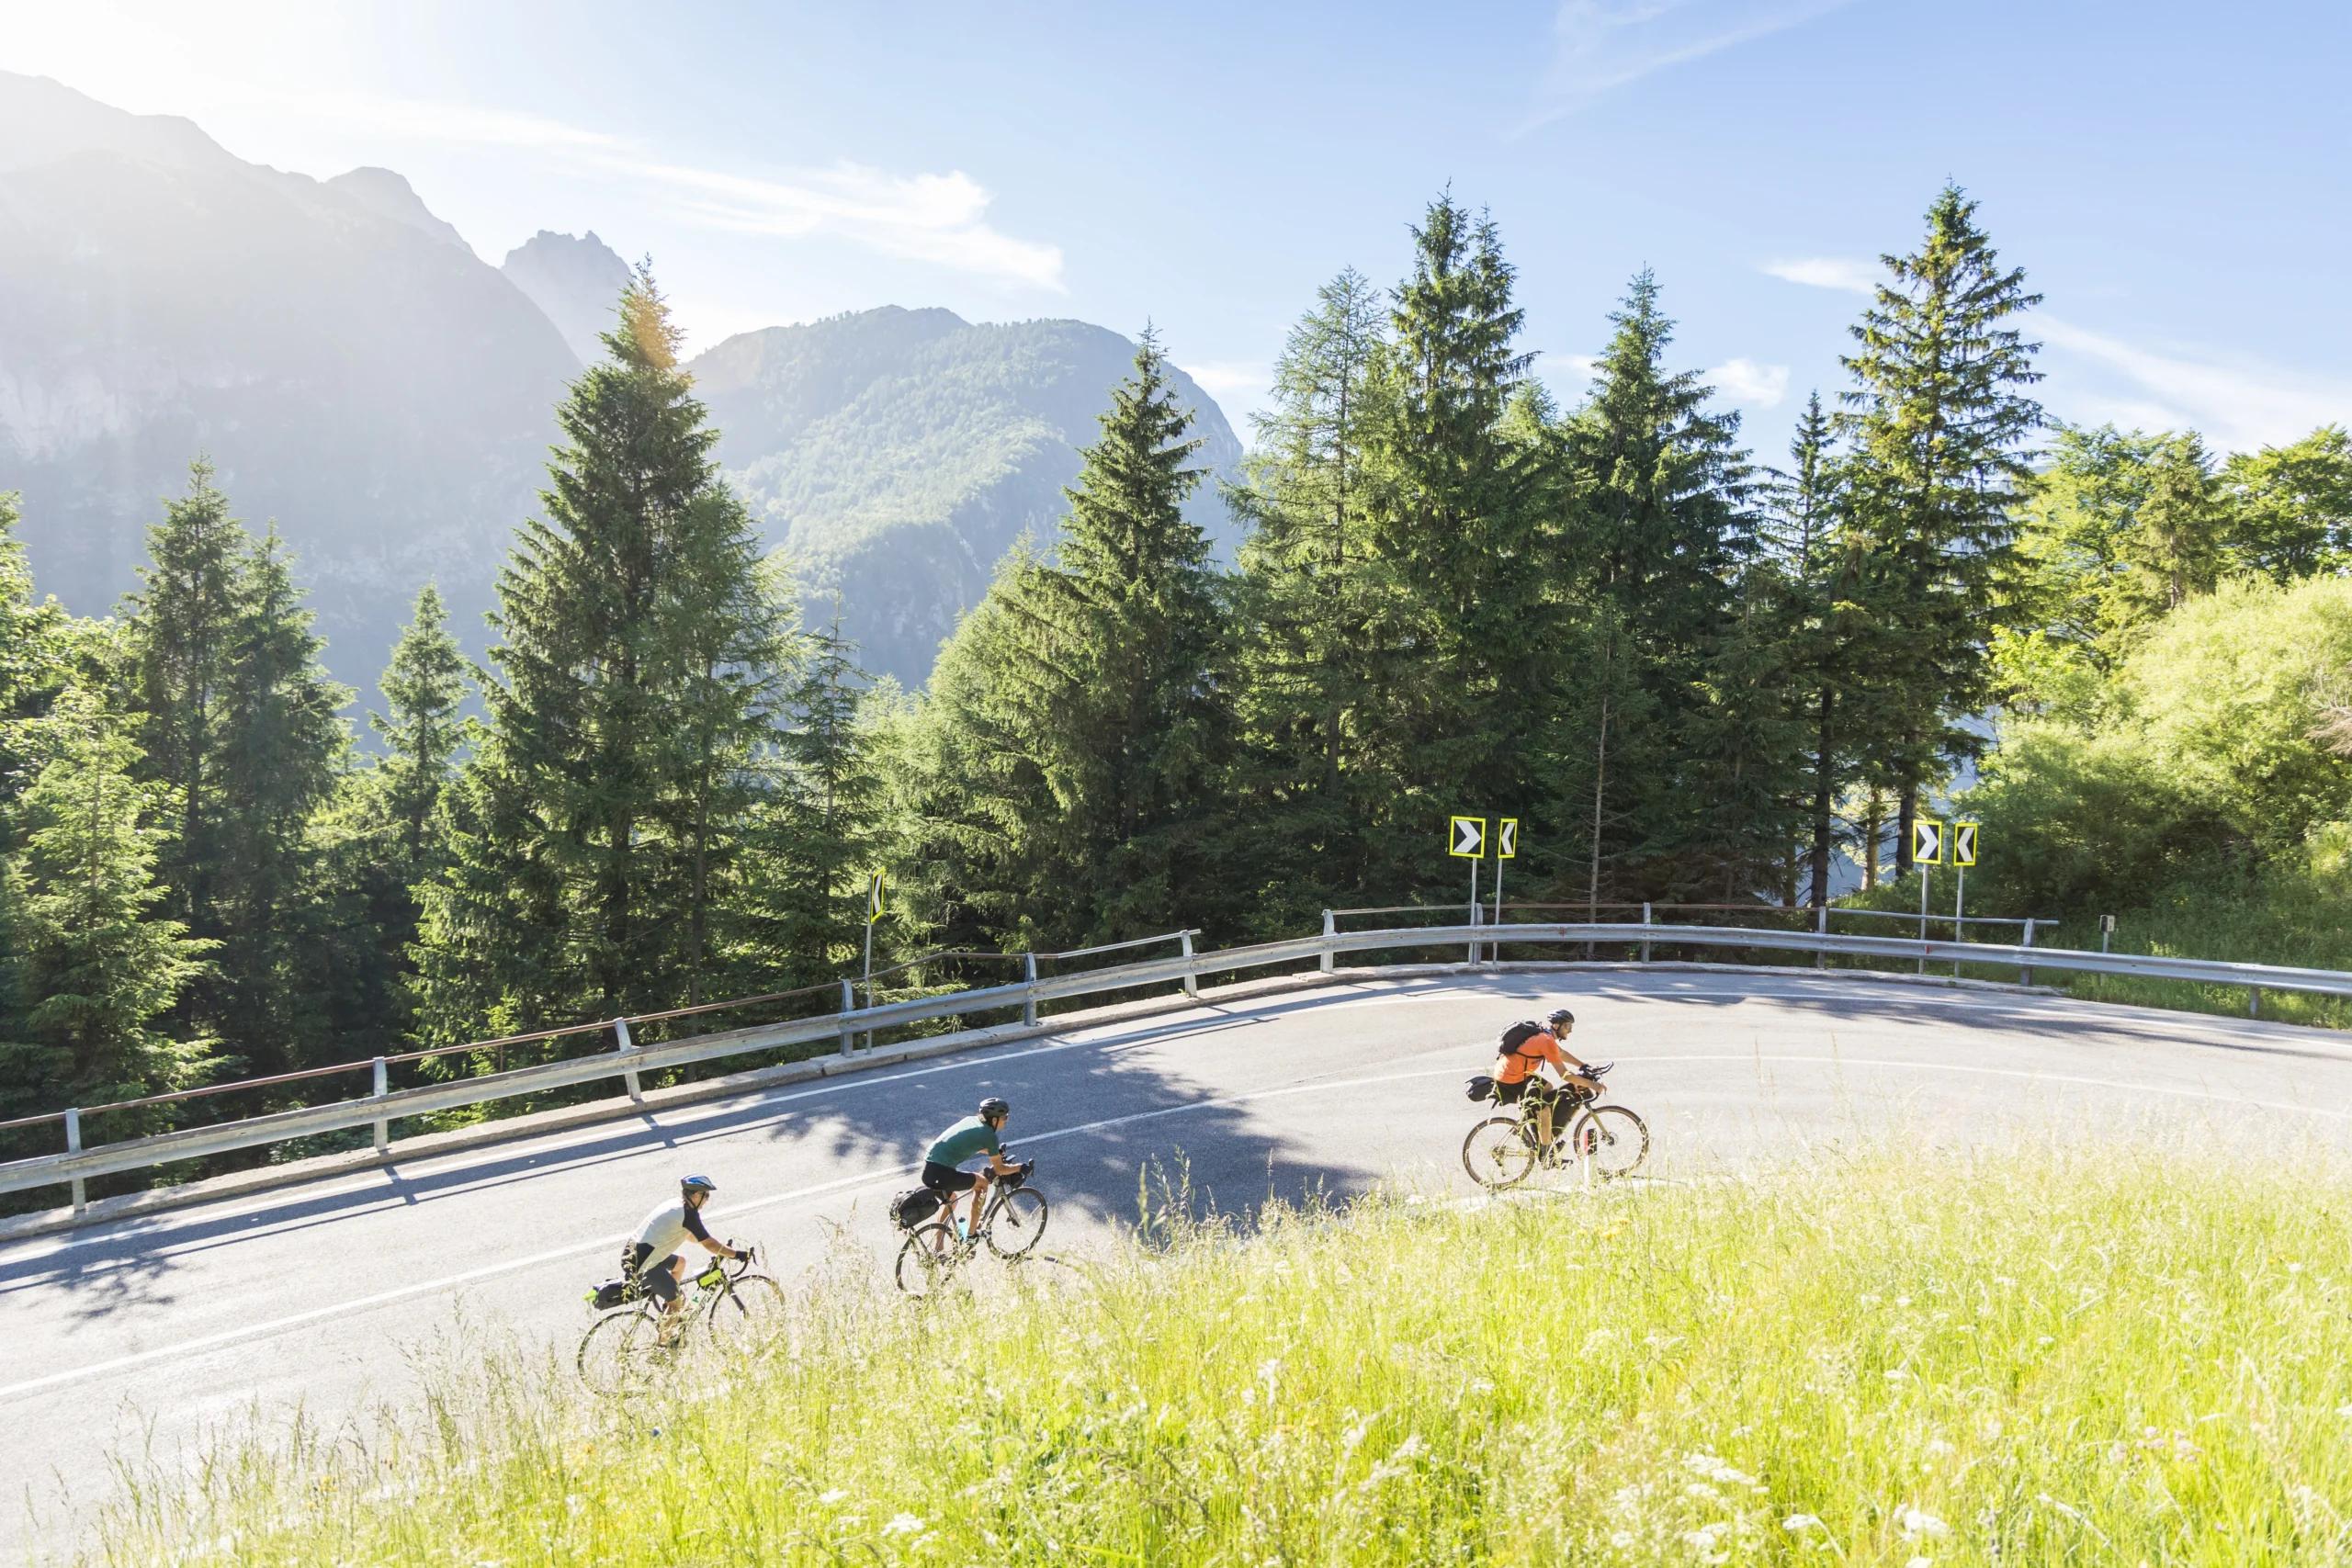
column 2174, row 177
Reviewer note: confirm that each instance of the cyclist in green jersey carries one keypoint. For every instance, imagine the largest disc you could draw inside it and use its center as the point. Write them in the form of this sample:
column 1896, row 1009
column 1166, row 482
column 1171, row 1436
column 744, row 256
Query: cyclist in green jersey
column 973, row 1136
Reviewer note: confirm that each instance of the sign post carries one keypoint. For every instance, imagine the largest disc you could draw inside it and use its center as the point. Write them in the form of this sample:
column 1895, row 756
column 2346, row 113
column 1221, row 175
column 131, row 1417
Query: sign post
column 874, row 909
column 1963, row 855
column 1506, row 848
column 1926, row 849
column 1465, row 839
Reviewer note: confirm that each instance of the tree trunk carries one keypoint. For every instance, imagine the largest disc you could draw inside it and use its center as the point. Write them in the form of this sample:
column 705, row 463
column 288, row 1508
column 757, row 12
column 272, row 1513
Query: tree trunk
column 1824, row 787
column 1907, row 813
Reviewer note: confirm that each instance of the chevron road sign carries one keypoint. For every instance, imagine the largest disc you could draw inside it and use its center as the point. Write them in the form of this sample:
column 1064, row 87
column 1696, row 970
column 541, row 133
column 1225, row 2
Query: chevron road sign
column 1506, row 838
column 1963, row 842
column 1466, row 837
column 1927, row 841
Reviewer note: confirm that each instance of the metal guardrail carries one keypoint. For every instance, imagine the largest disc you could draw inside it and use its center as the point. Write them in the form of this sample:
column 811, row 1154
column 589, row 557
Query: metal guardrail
column 628, row 1061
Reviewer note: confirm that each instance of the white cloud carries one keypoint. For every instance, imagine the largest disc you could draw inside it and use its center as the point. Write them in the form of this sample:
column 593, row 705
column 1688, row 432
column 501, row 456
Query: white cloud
column 1827, row 272
column 1240, row 379
column 1585, row 365
column 1599, row 45
column 2237, row 404
column 1749, row 384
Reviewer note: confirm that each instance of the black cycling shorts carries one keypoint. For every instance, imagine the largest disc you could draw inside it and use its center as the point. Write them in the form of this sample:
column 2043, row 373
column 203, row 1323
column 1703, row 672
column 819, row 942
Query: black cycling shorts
column 947, row 1180
column 1528, row 1087
column 654, row 1279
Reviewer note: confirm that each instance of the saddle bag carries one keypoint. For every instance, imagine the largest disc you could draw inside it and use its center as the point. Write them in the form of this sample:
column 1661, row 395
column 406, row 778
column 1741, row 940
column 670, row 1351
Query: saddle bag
column 1479, row 1089
column 608, row 1295
column 911, row 1208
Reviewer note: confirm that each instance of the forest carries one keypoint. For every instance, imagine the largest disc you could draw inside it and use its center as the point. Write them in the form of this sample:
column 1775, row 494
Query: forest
column 1695, row 675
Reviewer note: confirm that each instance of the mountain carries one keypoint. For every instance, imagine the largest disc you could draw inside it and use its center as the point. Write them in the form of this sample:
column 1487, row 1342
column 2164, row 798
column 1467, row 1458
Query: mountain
column 352, row 369
column 576, row 282
column 896, row 455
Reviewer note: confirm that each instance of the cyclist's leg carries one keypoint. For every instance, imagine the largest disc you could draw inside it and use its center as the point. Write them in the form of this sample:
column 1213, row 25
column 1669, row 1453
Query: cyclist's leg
column 980, row 1199
column 661, row 1277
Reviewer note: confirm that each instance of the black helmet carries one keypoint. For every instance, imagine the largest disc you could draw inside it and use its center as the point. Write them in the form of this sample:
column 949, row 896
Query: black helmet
column 992, row 1106
column 1562, row 1017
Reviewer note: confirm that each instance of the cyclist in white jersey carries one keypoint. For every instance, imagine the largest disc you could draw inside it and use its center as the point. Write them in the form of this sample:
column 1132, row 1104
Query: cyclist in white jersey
column 653, row 1261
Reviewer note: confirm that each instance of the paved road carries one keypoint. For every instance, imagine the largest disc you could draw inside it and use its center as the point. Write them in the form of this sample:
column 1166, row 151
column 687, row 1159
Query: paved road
column 143, row 1334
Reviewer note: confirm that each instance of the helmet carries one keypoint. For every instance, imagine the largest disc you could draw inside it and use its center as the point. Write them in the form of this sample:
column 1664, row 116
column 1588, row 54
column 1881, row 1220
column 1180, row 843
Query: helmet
column 1562, row 1017
column 992, row 1106
column 698, row 1184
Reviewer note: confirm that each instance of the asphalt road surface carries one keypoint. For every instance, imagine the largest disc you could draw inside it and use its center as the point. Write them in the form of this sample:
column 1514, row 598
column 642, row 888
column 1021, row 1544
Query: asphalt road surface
column 141, row 1335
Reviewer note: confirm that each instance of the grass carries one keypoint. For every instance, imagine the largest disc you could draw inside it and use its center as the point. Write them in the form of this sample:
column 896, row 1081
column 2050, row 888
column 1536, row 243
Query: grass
column 2113, row 1355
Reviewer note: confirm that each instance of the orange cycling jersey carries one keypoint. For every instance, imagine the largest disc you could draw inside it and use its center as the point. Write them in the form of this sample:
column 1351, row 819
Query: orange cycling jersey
column 1531, row 1053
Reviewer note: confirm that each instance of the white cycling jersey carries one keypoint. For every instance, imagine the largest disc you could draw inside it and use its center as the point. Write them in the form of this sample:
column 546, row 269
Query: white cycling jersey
column 667, row 1227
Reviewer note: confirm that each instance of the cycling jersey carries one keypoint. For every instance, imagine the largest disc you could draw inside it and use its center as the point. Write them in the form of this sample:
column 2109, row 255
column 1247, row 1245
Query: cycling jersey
column 1531, row 1053
column 667, row 1227
column 968, row 1137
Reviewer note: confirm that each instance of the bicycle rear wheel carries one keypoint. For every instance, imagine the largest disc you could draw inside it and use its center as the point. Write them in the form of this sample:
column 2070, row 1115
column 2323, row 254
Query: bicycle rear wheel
column 618, row 1355
column 927, row 1263
column 1498, row 1154
column 1613, row 1139
column 746, row 1312
column 1019, row 1223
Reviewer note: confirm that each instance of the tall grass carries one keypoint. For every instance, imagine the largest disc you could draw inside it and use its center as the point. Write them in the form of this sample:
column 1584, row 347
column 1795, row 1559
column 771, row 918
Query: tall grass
column 2117, row 1355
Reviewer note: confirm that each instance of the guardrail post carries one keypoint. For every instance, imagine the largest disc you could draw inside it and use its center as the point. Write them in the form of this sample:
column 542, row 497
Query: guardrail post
column 1192, row 974
column 2254, row 1001
column 1821, row 928
column 1473, row 929
column 1330, row 929
column 383, row 1128
column 1029, row 976
column 1646, row 941
column 73, row 1146
column 848, row 1005
column 2024, row 976
column 628, row 1075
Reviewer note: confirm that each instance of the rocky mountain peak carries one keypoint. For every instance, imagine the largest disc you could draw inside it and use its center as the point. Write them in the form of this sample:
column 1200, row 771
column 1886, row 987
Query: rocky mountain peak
column 575, row 279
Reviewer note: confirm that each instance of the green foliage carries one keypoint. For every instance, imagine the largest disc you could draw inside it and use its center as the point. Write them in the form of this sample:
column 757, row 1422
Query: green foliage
column 2292, row 506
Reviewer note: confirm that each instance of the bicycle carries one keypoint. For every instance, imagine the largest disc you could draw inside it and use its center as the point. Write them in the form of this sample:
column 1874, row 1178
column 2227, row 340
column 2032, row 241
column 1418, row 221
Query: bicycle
column 1610, row 1141
column 624, row 1350
column 1011, row 1223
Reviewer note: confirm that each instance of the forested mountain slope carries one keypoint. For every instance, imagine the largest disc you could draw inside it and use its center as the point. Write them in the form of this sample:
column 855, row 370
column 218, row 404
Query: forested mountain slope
column 897, row 454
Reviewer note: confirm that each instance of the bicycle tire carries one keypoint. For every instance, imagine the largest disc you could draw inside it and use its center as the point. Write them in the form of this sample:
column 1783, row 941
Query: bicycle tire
column 1612, row 1140
column 615, row 1356
column 1498, row 1154
column 1026, row 1211
column 748, row 1309
column 927, row 1262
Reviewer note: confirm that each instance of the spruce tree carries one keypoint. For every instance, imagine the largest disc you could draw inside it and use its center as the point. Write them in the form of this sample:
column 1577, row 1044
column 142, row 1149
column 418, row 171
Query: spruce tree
column 2177, row 546
column 636, row 643
column 1459, row 685
column 102, row 966
column 32, row 660
column 424, row 687
column 1938, row 420
column 1305, row 793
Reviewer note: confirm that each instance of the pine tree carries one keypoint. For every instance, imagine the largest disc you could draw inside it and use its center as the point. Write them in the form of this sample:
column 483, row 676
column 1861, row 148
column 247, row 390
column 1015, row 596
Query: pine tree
column 424, row 687
column 1938, row 420
column 636, row 644
column 2178, row 543
column 32, row 660
column 102, row 969
column 1305, row 792
column 1459, row 687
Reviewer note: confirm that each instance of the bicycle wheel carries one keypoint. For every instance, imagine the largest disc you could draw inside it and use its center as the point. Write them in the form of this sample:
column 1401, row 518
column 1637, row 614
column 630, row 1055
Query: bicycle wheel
column 1018, row 1223
column 619, row 1352
column 928, row 1262
column 1498, row 1154
column 746, row 1312
column 1614, row 1139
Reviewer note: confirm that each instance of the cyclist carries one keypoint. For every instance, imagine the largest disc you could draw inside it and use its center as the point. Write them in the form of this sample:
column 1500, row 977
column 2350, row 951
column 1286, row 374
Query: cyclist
column 975, row 1134
column 651, row 1261
column 1519, row 1069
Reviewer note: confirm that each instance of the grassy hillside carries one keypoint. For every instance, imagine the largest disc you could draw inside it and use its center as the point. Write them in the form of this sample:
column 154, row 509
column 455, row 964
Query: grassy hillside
column 2116, row 1356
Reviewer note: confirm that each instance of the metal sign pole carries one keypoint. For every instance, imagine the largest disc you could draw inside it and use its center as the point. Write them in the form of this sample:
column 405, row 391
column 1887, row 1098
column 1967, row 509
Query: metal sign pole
column 1922, row 919
column 1495, row 948
column 1959, row 918
column 1474, row 909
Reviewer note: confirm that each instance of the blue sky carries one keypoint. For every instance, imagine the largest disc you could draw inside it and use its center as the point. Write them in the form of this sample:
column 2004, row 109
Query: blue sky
column 2174, row 176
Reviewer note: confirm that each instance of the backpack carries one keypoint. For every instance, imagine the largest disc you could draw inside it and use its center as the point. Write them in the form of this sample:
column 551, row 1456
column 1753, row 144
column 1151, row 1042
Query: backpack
column 911, row 1208
column 1519, row 1034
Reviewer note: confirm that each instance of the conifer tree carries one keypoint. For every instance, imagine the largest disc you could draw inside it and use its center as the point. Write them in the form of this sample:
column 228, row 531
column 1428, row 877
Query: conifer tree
column 32, row 660
column 1938, row 420
column 1304, row 789
column 102, row 966
column 637, row 648
column 424, row 687
column 2178, row 543
column 1458, row 671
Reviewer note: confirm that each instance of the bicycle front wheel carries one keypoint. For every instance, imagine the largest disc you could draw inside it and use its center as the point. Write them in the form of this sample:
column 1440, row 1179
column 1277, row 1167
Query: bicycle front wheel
column 1019, row 1224
column 746, row 1312
column 928, row 1262
column 618, row 1353
column 1498, row 1154
column 1612, row 1139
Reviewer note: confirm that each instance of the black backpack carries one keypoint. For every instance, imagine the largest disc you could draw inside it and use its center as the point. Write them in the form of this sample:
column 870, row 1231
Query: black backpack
column 914, row 1206
column 1519, row 1034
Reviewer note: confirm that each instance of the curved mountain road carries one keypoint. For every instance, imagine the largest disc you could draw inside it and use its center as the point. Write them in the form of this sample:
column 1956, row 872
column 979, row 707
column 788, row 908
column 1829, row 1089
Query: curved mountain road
column 144, row 1334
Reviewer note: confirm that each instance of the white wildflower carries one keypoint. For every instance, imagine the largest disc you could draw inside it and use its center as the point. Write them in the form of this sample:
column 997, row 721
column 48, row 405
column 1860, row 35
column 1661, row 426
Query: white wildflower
column 835, row 1496
column 1917, row 1521
column 1621, row 1540
column 1938, row 1448
column 903, row 1524
column 1796, row 1524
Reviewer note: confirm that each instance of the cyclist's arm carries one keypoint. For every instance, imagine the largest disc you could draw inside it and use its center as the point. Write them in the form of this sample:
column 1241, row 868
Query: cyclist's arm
column 999, row 1165
column 694, row 1228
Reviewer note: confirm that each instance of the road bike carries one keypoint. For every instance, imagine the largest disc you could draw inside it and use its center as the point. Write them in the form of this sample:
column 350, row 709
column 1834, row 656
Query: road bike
column 626, row 1349
column 1011, row 1223
column 1610, row 1141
